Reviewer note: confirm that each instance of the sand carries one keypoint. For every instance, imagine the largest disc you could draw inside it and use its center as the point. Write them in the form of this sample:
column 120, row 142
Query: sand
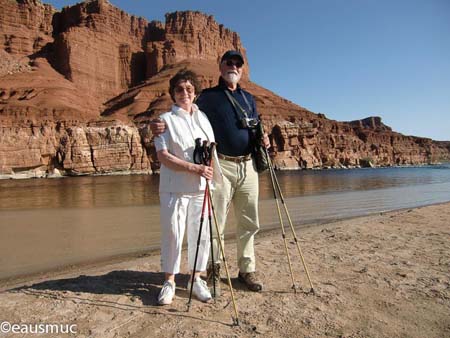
column 385, row 275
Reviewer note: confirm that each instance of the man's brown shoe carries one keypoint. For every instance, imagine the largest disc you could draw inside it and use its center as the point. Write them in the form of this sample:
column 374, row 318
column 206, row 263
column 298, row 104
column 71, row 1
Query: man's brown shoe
column 249, row 279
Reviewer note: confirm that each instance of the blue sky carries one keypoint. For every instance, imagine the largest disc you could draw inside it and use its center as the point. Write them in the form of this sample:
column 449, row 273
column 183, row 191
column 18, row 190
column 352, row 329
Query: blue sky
column 348, row 59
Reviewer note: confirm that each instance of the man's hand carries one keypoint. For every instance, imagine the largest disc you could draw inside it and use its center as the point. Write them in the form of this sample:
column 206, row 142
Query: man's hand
column 157, row 126
column 266, row 141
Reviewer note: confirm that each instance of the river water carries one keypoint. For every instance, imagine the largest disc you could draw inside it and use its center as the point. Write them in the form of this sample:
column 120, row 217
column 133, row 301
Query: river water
column 50, row 223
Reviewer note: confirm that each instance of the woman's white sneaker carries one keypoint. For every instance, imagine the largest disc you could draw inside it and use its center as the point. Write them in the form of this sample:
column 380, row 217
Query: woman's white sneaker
column 167, row 293
column 200, row 290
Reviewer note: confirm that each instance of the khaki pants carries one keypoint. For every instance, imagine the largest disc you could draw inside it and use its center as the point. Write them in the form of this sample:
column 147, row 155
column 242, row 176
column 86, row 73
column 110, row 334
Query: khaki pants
column 240, row 186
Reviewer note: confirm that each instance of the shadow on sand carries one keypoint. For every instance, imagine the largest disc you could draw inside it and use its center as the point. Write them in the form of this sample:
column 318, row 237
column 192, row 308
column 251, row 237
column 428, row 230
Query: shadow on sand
column 144, row 285
column 132, row 284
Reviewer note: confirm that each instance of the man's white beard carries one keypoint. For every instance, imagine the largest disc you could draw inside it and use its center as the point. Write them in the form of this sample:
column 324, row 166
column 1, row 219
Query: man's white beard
column 232, row 78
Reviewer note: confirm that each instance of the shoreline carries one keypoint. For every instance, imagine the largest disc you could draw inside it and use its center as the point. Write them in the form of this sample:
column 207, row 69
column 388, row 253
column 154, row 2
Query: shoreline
column 383, row 275
column 58, row 175
column 23, row 279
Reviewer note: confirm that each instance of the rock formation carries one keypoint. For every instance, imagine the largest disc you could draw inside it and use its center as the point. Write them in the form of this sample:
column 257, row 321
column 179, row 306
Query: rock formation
column 78, row 87
column 26, row 26
column 188, row 35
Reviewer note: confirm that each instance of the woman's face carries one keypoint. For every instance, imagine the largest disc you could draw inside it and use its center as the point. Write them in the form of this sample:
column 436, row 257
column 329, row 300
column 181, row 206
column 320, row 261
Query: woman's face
column 184, row 93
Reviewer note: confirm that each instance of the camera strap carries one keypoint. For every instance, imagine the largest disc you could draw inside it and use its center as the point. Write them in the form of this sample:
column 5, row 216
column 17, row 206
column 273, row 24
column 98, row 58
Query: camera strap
column 236, row 104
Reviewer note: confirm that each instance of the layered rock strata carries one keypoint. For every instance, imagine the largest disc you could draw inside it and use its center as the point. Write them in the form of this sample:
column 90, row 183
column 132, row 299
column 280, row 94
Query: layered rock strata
column 78, row 87
column 54, row 149
column 26, row 26
column 188, row 35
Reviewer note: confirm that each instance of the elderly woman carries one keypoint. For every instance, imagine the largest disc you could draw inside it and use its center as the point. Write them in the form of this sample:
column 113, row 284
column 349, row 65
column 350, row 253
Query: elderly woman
column 182, row 185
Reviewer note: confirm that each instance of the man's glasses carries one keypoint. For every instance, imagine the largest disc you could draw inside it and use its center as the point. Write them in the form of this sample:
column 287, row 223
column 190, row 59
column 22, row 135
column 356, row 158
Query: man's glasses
column 180, row 89
column 231, row 63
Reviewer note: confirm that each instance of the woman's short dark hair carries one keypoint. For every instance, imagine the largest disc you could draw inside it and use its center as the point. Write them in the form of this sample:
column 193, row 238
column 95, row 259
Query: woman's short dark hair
column 184, row 75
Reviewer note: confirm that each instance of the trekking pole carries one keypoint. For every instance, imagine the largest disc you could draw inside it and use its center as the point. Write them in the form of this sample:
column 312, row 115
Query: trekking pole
column 207, row 160
column 222, row 252
column 274, row 179
column 283, row 233
column 212, row 250
column 293, row 232
column 197, row 152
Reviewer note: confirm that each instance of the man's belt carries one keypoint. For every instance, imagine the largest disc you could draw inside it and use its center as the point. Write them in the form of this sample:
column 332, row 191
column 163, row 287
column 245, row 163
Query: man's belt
column 235, row 159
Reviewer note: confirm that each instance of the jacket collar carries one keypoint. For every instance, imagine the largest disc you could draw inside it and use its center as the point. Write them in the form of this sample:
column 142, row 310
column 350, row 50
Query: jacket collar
column 180, row 111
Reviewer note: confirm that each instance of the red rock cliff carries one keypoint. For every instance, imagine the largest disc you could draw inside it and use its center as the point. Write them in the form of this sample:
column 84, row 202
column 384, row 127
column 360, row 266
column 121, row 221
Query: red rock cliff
column 26, row 26
column 99, row 48
column 78, row 87
column 188, row 35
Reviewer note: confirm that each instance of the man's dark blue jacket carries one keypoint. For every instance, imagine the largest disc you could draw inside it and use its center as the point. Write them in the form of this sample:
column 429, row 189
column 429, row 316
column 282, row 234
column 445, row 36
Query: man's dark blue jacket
column 231, row 138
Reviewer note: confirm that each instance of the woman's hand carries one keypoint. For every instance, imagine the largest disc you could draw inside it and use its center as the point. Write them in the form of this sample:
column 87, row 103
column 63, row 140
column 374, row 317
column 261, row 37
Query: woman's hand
column 204, row 171
column 175, row 163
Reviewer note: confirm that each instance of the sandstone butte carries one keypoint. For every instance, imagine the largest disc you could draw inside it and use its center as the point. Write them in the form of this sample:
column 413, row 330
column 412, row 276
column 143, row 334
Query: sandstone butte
column 78, row 88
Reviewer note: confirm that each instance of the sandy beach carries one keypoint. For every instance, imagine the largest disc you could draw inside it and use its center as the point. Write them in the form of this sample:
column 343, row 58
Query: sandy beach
column 385, row 275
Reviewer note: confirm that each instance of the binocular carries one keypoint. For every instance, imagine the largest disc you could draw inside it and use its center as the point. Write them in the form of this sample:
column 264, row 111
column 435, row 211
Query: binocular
column 203, row 151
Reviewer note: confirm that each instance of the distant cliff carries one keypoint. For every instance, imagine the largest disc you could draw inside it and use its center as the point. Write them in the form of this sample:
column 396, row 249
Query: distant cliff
column 78, row 87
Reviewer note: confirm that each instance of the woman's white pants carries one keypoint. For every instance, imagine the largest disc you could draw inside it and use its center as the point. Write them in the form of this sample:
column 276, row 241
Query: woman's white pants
column 178, row 211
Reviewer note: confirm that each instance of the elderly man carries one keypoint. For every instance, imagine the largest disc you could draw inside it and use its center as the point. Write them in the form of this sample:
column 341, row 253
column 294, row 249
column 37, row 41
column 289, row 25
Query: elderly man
column 232, row 114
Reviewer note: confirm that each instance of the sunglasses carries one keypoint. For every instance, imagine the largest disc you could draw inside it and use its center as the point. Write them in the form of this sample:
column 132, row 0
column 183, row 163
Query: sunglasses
column 180, row 89
column 231, row 63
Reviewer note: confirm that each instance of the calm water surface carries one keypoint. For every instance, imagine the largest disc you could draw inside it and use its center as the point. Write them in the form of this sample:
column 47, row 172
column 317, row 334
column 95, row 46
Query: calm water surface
column 47, row 223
